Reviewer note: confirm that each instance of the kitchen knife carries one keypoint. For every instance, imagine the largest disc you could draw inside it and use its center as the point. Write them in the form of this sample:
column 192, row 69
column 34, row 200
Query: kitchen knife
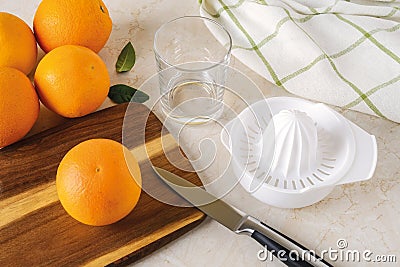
column 286, row 249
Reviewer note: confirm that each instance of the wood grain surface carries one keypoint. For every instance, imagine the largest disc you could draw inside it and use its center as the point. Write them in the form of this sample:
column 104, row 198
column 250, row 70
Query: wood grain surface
column 36, row 231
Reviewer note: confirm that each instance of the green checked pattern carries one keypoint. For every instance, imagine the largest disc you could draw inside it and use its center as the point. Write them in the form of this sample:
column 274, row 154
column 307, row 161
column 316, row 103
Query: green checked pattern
column 333, row 51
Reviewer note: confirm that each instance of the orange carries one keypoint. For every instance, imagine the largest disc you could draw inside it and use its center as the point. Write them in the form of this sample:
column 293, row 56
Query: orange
column 17, row 44
column 72, row 81
column 79, row 22
column 19, row 105
column 94, row 183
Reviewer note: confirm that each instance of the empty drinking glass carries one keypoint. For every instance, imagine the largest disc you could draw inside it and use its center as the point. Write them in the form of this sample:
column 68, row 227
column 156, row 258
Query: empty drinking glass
column 192, row 55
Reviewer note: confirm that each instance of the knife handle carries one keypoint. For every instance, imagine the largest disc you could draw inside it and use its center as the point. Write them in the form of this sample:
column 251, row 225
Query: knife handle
column 276, row 250
column 280, row 245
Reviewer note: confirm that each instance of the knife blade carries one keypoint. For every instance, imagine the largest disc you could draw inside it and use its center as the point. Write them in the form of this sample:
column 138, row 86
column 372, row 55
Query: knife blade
column 284, row 248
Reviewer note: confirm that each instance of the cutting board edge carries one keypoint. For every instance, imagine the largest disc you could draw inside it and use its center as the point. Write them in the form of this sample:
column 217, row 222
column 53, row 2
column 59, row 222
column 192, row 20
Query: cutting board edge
column 158, row 243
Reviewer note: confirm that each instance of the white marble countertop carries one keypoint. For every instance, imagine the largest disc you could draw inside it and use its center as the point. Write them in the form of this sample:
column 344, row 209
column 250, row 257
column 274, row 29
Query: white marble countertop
column 365, row 214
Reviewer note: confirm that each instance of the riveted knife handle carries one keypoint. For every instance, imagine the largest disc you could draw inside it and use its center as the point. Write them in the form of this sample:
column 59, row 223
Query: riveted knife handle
column 284, row 248
column 276, row 250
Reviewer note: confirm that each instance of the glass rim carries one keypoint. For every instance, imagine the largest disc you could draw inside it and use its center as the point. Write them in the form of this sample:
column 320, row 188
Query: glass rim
column 158, row 55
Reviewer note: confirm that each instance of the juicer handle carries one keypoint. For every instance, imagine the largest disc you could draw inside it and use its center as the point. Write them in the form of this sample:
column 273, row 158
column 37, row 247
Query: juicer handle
column 364, row 164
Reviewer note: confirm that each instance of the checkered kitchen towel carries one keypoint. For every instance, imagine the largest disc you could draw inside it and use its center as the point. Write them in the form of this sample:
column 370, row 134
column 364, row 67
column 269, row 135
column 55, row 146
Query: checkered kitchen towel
column 344, row 53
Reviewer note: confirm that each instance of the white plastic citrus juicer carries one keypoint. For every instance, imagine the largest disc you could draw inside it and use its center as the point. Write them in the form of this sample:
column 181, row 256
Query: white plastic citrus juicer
column 290, row 153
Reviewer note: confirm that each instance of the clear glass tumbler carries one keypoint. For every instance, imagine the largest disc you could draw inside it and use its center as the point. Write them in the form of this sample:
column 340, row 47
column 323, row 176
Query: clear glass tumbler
column 192, row 55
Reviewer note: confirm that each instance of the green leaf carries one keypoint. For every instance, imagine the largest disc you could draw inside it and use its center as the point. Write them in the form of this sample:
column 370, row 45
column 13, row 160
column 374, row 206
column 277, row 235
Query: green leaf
column 126, row 59
column 121, row 93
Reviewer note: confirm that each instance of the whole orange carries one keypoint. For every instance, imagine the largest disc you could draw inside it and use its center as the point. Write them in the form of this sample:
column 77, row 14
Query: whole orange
column 72, row 81
column 17, row 44
column 19, row 105
column 98, row 182
column 79, row 22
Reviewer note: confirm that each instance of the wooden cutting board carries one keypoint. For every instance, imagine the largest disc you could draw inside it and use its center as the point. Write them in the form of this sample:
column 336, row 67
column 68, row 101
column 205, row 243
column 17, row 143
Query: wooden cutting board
column 35, row 230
